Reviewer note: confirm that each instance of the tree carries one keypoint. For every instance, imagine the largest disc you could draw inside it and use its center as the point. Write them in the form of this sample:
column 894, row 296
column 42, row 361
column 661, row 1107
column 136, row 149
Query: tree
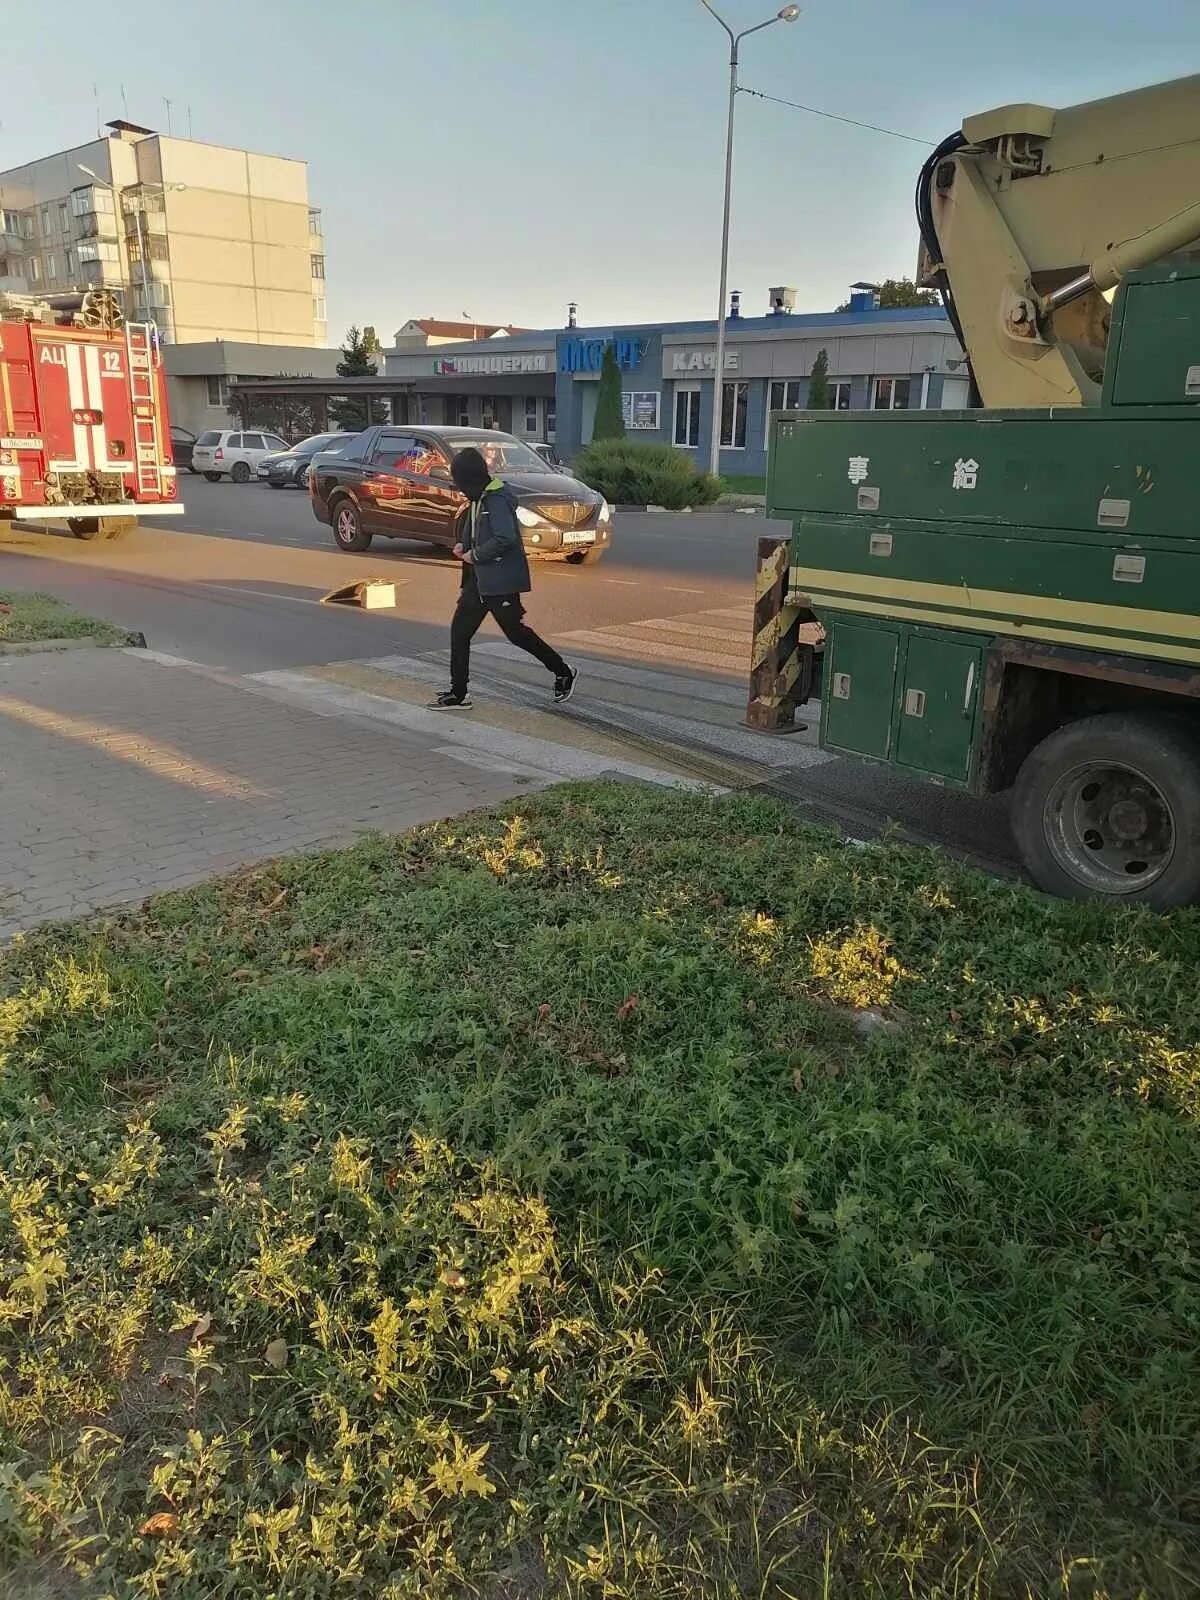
column 609, row 424
column 358, row 361
column 897, row 294
column 818, row 383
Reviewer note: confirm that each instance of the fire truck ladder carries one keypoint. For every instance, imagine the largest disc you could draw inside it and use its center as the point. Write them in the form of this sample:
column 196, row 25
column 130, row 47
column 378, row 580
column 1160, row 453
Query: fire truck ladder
column 139, row 340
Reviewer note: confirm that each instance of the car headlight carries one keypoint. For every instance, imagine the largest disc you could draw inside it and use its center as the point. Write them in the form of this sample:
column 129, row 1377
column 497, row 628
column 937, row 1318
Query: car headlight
column 527, row 518
column 605, row 511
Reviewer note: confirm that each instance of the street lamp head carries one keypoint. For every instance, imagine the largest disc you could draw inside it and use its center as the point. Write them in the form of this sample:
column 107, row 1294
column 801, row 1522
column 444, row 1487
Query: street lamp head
column 789, row 13
column 88, row 172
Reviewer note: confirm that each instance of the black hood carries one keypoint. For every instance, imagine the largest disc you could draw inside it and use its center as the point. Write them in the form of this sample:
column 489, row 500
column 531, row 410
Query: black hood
column 470, row 473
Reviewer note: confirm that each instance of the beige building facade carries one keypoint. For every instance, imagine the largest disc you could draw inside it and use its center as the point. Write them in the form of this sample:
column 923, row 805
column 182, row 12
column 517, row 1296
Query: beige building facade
column 208, row 242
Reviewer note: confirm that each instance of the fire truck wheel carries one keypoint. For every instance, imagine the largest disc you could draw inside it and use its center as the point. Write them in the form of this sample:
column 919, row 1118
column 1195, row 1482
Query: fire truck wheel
column 84, row 527
column 117, row 527
column 1109, row 806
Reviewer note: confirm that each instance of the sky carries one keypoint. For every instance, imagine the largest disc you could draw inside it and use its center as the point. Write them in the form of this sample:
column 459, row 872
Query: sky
column 499, row 158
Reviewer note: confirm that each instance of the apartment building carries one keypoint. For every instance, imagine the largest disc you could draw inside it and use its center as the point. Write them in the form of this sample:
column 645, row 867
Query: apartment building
column 209, row 242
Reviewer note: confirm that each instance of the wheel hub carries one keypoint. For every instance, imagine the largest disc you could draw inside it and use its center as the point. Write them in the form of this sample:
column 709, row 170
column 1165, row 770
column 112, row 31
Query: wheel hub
column 1110, row 827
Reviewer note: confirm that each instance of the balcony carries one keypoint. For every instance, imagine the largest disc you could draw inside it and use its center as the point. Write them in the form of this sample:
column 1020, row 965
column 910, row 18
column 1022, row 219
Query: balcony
column 96, row 225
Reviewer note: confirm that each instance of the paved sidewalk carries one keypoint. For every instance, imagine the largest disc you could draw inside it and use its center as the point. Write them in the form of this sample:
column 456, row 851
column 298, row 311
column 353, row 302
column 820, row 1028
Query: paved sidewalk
column 122, row 775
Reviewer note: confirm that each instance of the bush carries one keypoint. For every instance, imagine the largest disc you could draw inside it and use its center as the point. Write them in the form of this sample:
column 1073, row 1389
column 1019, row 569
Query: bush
column 645, row 474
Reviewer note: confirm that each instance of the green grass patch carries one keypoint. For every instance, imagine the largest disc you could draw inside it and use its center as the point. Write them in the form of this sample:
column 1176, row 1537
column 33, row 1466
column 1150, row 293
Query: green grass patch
column 33, row 617
column 743, row 483
column 515, row 1209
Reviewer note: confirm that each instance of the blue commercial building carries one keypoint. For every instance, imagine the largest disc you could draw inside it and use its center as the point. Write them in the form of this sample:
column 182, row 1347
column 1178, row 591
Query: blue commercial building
column 543, row 384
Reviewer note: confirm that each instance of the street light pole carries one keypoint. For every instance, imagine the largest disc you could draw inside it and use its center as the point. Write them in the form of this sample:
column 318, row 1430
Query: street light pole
column 786, row 14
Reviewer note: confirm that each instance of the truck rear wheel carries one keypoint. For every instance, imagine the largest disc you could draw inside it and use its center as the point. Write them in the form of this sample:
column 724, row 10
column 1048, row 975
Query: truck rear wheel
column 1110, row 806
column 84, row 527
column 117, row 527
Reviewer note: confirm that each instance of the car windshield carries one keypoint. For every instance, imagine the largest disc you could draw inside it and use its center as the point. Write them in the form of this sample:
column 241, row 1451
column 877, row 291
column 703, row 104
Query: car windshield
column 322, row 441
column 501, row 454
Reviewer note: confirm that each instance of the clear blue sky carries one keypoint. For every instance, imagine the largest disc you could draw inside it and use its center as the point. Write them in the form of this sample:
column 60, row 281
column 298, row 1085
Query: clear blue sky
column 502, row 157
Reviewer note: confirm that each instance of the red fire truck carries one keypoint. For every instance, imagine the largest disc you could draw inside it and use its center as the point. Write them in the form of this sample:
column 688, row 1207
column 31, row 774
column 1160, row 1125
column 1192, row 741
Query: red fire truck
column 84, row 432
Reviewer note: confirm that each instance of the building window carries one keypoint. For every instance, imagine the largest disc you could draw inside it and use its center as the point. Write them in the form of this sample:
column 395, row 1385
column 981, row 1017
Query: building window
column 531, row 422
column 64, row 217
column 68, row 265
column 45, row 222
column 785, row 394
column 891, row 394
column 734, row 398
column 87, row 202
column 318, row 266
column 35, row 269
column 51, row 266
column 314, row 221
column 687, row 417
column 218, row 391
column 98, row 250
column 319, row 308
column 551, row 417
column 464, row 411
column 839, row 394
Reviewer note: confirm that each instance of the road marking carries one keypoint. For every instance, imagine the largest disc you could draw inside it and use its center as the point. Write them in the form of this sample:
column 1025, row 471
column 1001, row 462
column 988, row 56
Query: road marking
column 669, row 590
column 626, row 583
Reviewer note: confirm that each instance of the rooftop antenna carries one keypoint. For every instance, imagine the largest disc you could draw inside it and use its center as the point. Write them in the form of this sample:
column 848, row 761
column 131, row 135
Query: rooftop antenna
column 124, row 103
column 189, row 112
column 96, row 102
column 167, row 103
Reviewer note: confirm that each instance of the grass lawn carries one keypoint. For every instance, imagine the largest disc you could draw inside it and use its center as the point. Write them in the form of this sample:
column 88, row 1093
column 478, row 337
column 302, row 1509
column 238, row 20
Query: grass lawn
column 743, row 483
column 519, row 1209
column 33, row 617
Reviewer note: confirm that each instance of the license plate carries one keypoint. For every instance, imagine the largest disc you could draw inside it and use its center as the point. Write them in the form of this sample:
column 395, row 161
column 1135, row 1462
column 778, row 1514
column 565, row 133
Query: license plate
column 586, row 537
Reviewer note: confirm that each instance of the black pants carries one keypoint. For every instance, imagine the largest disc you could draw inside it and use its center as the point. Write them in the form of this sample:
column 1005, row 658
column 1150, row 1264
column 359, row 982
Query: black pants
column 508, row 611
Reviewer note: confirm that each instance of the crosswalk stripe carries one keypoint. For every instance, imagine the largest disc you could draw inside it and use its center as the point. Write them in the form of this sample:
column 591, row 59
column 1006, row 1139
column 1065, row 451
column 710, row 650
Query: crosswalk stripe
column 739, row 642
column 655, row 650
column 617, row 673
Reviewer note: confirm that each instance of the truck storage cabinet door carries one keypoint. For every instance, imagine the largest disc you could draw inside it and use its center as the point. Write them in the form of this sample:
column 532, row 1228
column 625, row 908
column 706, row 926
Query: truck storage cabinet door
column 936, row 725
column 860, row 688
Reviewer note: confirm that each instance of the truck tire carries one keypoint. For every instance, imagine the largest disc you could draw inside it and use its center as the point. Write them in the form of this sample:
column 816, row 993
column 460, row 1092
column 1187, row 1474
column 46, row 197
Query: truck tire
column 84, row 527
column 1109, row 806
column 117, row 527
column 348, row 531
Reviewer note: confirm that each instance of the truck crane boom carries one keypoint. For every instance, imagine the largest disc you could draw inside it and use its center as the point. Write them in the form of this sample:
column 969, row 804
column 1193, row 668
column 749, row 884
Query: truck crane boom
column 1031, row 216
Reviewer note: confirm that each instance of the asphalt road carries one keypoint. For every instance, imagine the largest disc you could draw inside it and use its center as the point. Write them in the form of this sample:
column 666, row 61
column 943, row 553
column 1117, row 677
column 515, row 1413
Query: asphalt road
column 237, row 583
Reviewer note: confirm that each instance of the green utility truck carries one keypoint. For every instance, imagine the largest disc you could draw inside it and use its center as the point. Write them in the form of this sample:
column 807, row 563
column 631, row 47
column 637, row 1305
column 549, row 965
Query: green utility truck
column 1011, row 596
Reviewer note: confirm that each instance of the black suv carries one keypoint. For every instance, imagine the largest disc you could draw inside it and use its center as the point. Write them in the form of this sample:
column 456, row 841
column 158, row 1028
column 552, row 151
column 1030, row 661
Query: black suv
column 395, row 481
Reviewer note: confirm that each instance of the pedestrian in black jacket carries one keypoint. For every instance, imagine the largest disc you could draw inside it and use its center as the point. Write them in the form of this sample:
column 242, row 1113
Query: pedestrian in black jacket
column 495, row 574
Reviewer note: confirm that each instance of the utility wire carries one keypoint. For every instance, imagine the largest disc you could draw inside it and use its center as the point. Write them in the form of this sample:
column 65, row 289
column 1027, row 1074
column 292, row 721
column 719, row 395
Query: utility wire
column 832, row 116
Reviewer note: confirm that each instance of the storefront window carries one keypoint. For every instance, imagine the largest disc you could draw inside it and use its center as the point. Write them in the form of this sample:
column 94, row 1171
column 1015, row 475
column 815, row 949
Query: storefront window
column 734, row 397
column 785, row 394
column 531, row 422
column 839, row 395
column 687, row 418
column 891, row 394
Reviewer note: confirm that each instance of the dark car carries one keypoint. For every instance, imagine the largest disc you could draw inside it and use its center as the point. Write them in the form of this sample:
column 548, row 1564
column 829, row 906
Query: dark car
column 288, row 469
column 395, row 481
column 182, row 441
